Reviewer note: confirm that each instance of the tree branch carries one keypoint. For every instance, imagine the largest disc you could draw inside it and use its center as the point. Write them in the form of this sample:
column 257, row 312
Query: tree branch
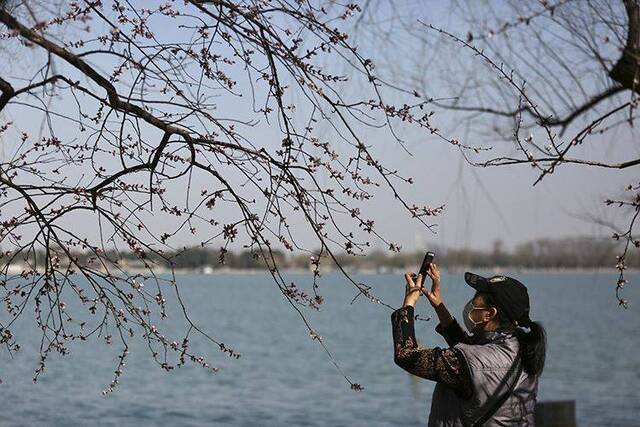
column 626, row 71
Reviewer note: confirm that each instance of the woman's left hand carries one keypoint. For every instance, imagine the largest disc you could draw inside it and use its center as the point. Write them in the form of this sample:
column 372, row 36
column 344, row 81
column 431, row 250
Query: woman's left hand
column 413, row 289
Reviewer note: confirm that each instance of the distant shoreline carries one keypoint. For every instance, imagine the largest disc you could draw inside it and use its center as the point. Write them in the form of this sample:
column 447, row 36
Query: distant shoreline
column 559, row 255
column 455, row 270
column 17, row 269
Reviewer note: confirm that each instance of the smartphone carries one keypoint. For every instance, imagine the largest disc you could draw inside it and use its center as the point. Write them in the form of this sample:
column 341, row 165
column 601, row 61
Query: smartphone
column 426, row 262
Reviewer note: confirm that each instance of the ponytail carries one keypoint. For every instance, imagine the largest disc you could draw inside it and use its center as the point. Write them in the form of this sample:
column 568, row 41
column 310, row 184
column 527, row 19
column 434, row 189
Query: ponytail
column 533, row 344
column 533, row 348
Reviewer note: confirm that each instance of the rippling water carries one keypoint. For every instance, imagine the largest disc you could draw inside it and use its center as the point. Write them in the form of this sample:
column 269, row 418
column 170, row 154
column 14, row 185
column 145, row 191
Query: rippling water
column 285, row 378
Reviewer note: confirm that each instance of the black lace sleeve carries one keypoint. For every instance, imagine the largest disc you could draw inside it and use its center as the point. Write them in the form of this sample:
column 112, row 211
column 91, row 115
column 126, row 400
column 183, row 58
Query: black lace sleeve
column 444, row 365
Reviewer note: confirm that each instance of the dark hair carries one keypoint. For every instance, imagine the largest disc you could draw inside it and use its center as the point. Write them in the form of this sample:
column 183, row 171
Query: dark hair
column 533, row 344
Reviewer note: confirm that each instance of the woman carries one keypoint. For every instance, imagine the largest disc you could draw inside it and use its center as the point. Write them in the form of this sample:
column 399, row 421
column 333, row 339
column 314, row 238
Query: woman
column 487, row 378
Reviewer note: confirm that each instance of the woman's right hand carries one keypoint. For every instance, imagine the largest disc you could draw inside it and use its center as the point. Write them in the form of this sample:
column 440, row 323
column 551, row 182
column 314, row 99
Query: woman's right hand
column 434, row 296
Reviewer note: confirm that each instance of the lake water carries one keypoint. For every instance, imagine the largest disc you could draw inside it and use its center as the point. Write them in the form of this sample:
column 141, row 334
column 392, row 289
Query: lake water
column 284, row 378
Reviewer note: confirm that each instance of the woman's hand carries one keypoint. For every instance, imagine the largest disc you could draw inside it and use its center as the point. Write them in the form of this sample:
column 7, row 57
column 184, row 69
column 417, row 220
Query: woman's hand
column 413, row 289
column 433, row 295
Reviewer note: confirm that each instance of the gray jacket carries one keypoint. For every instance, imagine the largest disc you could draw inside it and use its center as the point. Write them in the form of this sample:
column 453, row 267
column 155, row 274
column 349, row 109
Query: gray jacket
column 492, row 363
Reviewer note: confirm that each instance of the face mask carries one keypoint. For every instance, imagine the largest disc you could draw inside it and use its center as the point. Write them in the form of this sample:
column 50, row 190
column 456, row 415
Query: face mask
column 469, row 323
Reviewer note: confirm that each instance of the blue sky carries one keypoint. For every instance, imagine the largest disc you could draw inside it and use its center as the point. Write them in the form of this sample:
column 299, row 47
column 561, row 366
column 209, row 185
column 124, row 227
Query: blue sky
column 482, row 204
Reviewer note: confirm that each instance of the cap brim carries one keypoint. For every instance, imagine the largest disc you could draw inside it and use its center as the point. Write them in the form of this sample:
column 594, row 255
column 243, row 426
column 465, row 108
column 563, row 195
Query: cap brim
column 476, row 281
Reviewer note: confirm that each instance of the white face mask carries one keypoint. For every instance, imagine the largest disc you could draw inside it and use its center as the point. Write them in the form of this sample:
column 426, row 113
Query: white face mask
column 469, row 323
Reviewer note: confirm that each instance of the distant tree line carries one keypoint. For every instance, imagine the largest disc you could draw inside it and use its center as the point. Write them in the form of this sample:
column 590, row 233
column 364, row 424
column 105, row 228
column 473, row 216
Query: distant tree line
column 574, row 252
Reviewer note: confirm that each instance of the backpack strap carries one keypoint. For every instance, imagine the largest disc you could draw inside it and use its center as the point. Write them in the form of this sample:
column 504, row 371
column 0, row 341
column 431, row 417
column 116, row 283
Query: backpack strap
column 484, row 418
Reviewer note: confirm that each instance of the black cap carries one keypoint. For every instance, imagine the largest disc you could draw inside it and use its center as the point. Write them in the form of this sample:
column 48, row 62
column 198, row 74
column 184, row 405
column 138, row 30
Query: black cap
column 512, row 295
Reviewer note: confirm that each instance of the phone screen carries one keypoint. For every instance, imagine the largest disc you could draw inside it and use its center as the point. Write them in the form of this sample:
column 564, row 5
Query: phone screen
column 426, row 262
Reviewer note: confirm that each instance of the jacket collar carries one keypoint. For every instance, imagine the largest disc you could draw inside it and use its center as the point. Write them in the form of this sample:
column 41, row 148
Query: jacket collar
column 485, row 337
